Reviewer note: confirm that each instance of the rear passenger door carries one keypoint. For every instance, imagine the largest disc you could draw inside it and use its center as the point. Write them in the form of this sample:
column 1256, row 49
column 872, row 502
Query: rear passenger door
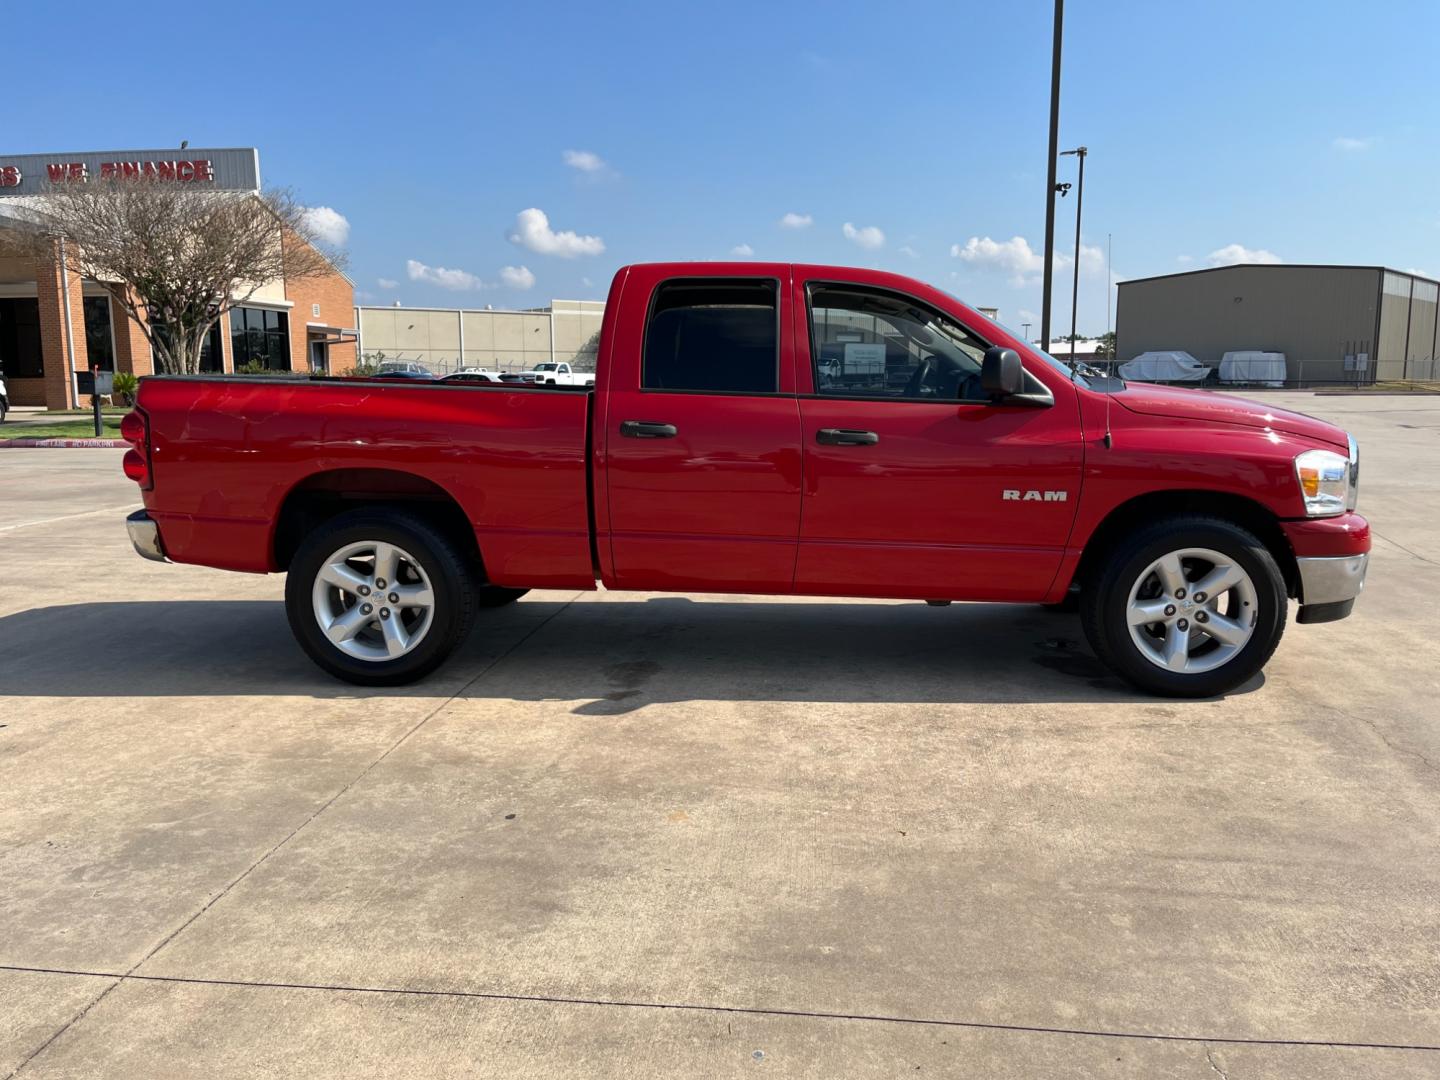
column 701, row 449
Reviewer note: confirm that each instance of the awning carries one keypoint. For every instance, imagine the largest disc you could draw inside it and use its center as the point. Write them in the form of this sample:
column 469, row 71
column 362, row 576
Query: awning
column 331, row 335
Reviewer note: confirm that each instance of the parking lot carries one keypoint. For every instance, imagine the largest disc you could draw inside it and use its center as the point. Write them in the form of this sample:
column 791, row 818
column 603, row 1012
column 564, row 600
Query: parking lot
column 642, row 835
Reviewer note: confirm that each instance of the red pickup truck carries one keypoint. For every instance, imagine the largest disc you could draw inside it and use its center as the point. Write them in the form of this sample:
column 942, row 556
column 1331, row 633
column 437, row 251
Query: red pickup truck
column 764, row 428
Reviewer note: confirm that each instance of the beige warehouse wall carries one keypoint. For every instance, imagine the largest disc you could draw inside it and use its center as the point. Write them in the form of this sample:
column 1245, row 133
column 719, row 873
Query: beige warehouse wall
column 496, row 340
column 1313, row 314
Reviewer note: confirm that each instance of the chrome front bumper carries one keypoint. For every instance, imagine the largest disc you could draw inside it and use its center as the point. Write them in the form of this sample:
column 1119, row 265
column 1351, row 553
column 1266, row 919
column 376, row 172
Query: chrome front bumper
column 145, row 535
column 1329, row 586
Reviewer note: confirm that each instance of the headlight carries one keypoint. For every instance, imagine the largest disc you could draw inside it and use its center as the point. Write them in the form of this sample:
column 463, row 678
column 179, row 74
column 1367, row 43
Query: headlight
column 1324, row 482
column 1354, row 493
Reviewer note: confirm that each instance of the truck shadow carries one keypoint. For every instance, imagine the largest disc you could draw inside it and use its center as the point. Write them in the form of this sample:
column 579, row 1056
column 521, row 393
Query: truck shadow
column 612, row 657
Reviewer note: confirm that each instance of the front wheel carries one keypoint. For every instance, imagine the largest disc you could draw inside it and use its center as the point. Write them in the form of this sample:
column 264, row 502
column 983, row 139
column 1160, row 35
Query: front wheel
column 379, row 598
column 1188, row 607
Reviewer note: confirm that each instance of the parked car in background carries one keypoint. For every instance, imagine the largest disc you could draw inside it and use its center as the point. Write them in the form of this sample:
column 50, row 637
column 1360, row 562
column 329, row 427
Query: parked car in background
column 420, row 375
column 391, row 367
column 558, row 373
column 471, row 375
column 765, row 428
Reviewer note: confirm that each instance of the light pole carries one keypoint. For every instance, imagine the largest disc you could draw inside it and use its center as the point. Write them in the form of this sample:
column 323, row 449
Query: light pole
column 1050, row 176
column 1081, row 153
column 1025, row 328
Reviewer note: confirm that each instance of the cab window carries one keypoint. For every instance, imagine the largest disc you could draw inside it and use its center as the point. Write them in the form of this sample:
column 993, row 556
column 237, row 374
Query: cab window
column 876, row 344
column 713, row 335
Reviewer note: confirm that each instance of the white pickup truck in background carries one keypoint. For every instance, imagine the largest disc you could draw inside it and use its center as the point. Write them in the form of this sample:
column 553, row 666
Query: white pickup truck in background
column 558, row 373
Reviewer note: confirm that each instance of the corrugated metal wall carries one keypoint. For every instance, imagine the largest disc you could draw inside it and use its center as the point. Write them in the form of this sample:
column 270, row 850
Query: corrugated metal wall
column 1315, row 315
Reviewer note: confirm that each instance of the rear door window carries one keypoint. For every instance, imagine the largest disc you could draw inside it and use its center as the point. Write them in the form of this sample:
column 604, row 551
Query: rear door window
column 710, row 335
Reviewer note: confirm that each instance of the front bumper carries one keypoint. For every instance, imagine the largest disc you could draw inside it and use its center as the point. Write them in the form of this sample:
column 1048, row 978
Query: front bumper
column 1329, row 586
column 145, row 536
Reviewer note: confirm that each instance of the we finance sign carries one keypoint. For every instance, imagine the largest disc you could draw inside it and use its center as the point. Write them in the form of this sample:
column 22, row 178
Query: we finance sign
column 229, row 169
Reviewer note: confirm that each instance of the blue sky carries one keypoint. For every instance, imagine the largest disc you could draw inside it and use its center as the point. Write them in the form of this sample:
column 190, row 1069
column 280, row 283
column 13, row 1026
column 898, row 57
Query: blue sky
column 1218, row 131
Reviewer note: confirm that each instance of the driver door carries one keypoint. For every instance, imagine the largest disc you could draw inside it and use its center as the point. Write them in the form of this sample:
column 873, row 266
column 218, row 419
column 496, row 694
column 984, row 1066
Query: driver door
column 907, row 466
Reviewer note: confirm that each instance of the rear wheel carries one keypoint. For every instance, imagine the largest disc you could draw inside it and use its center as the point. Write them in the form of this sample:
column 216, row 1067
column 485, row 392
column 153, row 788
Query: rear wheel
column 1188, row 607
column 379, row 598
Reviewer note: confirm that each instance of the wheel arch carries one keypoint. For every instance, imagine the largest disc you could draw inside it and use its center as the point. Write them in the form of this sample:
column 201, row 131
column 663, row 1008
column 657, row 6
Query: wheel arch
column 1143, row 509
column 325, row 495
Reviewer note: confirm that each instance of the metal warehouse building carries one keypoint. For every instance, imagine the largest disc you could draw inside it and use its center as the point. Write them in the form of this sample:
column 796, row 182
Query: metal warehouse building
column 1334, row 324
column 446, row 339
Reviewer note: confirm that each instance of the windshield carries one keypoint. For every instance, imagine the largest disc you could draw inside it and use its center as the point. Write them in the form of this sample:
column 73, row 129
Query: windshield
column 1058, row 365
column 546, row 367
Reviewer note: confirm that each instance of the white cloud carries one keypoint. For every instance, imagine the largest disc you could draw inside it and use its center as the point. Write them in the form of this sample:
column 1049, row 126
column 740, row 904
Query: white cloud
column 867, row 237
column 1239, row 253
column 743, row 251
column 1022, row 263
column 517, row 277
column 456, row 280
column 1014, row 257
column 1026, row 315
column 329, row 226
column 387, row 283
column 512, row 277
column 1184, row 259
column 909, row 251
column 793, row 220
column 587, row 283
column 532, row 230
column 584, row 160
column 1349, row 145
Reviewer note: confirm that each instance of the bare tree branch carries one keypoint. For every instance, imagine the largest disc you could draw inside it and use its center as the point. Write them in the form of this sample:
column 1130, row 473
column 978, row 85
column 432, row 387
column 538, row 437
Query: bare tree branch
column 176, row 258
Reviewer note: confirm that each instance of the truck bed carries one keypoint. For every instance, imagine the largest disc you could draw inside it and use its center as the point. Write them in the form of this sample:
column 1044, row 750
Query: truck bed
column 235, row 448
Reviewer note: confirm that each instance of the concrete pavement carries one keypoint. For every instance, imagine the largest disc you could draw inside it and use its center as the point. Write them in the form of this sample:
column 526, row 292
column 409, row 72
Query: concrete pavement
column 659, row 836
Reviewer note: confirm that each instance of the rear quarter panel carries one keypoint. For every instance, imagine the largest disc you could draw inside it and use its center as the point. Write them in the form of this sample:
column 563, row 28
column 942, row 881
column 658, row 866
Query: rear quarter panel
column 225, row 452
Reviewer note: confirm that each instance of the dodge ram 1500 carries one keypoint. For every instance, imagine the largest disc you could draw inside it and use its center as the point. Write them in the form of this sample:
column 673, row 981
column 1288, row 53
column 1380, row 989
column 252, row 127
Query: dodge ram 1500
column 764, row 428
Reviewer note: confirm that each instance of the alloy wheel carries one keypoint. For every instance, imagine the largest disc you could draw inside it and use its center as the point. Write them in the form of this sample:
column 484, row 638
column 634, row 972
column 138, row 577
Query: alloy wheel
column 1191, row 610
column 373, row 600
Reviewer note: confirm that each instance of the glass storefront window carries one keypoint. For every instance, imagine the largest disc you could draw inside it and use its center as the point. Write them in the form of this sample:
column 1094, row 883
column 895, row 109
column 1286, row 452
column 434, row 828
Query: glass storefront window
column 99, row 341
column 260, row 335
column 20, row 355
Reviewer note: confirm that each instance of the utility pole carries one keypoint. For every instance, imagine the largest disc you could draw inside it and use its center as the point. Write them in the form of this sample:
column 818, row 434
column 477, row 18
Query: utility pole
column 1079, row 152
column 1050, row 177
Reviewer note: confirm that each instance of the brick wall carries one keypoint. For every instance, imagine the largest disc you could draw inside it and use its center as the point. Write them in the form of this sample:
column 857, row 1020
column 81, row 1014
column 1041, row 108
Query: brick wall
column 132, row 347
column 336, row 297
column 51, row 294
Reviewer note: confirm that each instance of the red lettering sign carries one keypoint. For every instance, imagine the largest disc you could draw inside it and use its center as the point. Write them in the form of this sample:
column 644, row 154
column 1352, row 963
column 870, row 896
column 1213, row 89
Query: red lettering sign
column 10, row 176
column 200, row 170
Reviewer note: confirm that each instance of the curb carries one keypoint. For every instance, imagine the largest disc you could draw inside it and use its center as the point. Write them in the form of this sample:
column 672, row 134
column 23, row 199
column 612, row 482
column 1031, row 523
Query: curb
column 68, row 444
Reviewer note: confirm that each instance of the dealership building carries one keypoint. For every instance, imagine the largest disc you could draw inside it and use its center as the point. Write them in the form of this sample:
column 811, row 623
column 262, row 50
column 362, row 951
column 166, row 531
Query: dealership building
column 55, row 325
column 442, row 340
column 1335, row 324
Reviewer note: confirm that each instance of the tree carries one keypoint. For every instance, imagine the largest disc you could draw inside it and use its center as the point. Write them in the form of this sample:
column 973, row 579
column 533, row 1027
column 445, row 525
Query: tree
column 175, row 258
column 1106, row 349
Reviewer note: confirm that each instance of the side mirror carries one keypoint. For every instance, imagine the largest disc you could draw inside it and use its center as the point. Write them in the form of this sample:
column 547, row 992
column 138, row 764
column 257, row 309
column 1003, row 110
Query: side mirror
column 1001, row 373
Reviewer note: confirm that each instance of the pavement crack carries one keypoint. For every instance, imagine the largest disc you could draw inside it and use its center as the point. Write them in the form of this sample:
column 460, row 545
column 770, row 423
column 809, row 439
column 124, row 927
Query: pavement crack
column 131, row 973
column 1379, row 734
column 740, row 1010
column 1402, row 547
column 1211, row 1059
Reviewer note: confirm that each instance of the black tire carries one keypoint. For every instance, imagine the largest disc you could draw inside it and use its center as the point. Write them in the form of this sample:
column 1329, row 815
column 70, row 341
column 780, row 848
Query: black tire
column 451, row 580
column 1105, row 598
